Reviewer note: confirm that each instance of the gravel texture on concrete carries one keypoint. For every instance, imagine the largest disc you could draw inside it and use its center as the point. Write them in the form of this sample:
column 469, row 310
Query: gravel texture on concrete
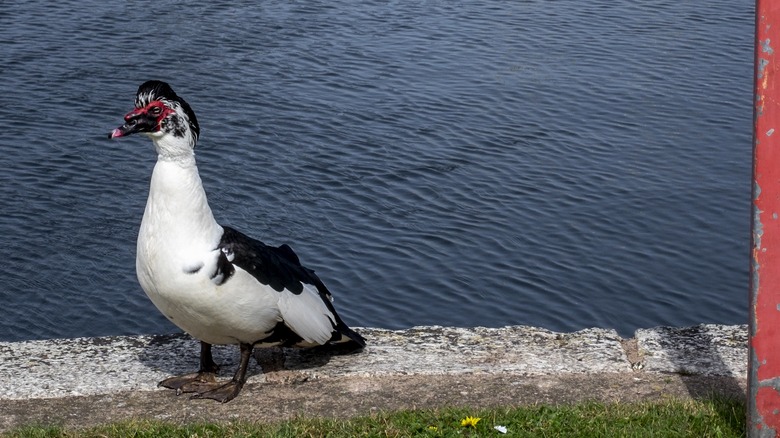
column 90, row 366
column 706, row 349
column 85, row 381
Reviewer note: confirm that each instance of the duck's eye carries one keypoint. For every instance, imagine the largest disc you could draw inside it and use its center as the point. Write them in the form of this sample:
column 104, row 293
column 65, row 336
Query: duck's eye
column 155, row 110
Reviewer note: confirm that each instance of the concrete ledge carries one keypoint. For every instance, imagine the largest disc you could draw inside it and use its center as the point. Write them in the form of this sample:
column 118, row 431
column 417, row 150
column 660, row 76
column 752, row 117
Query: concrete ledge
column 706, row 349
column 84, row 381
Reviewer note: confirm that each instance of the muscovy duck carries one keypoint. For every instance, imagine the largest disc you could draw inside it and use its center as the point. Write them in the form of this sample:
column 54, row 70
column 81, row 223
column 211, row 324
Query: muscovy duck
column 212, row 281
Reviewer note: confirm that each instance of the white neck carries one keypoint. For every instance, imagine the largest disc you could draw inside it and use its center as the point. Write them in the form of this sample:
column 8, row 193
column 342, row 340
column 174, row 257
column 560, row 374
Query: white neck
column 177, row 210
column 171, row 147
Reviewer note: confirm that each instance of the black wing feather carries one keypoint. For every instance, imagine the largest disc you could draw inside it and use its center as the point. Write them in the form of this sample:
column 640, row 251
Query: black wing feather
column 278, row 267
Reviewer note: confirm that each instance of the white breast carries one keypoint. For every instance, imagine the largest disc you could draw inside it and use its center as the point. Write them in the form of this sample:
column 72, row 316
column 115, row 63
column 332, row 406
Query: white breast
column 177, row 258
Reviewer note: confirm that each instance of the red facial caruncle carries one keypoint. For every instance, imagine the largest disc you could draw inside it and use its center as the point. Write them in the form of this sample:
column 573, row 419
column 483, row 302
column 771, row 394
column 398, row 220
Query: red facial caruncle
column 146, row 119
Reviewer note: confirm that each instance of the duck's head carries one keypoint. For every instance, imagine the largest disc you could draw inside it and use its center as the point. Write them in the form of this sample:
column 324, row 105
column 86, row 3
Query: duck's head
column 162, row 115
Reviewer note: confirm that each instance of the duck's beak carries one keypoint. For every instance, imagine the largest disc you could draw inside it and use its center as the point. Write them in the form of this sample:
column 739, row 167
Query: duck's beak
column 137, row 120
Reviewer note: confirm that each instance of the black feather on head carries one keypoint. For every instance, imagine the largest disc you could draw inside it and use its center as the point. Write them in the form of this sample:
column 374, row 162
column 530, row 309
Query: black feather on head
column 153, row 90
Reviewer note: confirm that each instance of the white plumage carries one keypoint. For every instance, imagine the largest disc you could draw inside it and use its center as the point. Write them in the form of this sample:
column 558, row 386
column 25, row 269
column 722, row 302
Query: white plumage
column 215, row 283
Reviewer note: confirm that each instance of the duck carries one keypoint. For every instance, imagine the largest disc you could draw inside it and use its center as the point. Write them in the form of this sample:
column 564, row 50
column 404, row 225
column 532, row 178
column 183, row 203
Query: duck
column 214, row 282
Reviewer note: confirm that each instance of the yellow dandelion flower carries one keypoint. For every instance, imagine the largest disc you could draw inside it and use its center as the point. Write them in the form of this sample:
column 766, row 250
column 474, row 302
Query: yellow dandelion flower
column 470, row 421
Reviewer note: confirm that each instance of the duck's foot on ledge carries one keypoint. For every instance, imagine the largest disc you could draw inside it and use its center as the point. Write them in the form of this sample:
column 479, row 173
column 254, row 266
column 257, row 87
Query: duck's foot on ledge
column 194, row 382
column 222, row 393
column 204, row 383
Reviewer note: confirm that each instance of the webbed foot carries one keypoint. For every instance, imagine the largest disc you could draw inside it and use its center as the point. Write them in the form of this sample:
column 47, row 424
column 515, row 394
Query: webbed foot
column 203, row 384
column 193, row 382
column 225, row 392
column 221, row 393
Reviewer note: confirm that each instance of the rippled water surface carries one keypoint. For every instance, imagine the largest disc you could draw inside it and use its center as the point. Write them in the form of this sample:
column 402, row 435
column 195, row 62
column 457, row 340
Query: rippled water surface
column 563, row 164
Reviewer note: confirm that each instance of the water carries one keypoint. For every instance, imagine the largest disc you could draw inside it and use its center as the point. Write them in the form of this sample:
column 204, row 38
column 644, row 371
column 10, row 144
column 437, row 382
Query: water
column 562, row 164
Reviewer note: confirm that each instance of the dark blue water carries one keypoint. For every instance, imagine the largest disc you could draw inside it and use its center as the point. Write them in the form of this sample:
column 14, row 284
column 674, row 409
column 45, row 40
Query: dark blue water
column 563, row 164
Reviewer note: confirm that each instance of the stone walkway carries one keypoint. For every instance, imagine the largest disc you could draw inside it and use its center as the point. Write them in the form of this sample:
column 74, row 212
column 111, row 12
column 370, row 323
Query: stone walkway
column 87, row 381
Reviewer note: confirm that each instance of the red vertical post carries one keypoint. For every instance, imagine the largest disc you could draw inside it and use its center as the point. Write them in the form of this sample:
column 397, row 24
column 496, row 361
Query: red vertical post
column 764, row 322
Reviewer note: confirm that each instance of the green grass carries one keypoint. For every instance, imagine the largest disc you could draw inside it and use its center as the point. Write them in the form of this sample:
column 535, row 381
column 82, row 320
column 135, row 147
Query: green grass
column 706, row 418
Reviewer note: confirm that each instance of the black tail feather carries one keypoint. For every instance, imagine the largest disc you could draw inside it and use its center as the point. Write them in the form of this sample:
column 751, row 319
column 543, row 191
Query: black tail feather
column 352, row 336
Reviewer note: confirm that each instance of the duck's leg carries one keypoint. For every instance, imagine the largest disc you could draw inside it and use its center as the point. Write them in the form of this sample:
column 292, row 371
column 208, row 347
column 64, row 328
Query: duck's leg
column 194, row 382
column 228, row 391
